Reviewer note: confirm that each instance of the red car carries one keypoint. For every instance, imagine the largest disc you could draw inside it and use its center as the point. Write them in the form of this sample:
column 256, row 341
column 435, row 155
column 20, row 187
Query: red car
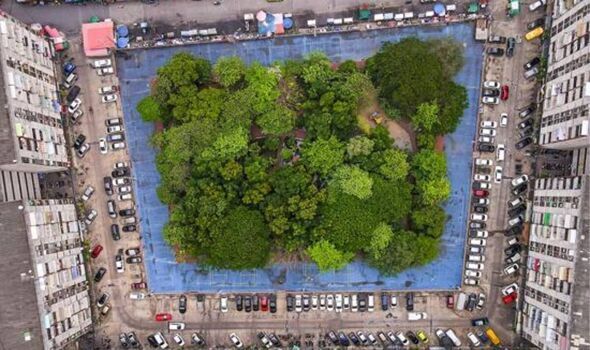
column 505, row 93
column 163, row 317
column 481, row 193
column 510, row 298
column 139, row 285
column 450, row 301
column 264, row 303
column 96, row 251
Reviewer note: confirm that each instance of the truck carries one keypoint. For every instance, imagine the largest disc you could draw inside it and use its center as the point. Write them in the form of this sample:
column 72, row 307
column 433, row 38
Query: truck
column 415, row 316
column 461, row 299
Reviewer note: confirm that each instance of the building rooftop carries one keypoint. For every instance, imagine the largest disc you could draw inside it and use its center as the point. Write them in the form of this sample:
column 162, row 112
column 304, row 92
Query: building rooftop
column 98, row 38
column 21, row 327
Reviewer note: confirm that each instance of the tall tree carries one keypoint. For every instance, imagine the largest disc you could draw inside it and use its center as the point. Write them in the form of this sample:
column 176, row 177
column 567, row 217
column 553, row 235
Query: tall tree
column 229, row 70
column 328, row 257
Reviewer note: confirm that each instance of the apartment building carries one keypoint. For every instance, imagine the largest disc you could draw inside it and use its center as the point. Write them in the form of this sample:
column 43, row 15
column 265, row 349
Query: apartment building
column 31, row 128
column 45, row 291
column 566, row 118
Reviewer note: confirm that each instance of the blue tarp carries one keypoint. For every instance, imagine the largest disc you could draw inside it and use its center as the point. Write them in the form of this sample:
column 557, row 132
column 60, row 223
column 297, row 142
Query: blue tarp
column 122, row 30
column 267, row 26
column 122, row 42
column 165, row 275
column 287, row 23
column 439, row 9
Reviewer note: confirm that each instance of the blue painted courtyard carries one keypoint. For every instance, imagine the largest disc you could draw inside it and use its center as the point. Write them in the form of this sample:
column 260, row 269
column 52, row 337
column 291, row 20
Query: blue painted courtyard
column 165, row 275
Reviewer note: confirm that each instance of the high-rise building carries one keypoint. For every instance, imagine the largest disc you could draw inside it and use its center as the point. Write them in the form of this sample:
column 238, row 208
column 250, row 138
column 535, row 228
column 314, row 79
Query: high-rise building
column 44, row 289
column 557, row 290
column 31, row 128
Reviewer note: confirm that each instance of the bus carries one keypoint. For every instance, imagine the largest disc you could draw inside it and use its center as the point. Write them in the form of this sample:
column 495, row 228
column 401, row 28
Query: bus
column 534, row 34
column 493, row 337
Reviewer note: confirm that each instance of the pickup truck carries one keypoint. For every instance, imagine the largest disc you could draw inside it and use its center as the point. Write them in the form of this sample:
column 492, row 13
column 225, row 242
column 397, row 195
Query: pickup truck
column 415, row 316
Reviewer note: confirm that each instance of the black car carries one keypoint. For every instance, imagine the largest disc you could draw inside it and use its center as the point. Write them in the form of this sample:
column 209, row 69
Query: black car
column 129, row 228
column 519, row 189
column 239, row 304
column 255, row 303
column 272, row 303
column 99, row 274
column 536, row 23
column 410, row 301
column 274, row 340
column 153, row 342
column 343, row 339
column 513, row 249
column 477, row 224
column 524, row 142
column 478, row 322
column 198, row 339
column 514, row 230
column 362, row 299
column 495, row 51
column 120, row 172
column 74, row 92
column 480, row 209
column 133, row 339
column 182, row 304
column 354, row 339
column 527, row 111
column 79, row 141
column 108, row 185
column 290, row 303
column 115, row 232
column 490, row 92
column 510, row 45
column 413, row 338
column 527, row 123
column 133, row 260
column 384, row 301
column 486, row 147
column 247, row 303
column 516, row 211
column 530, row 64
column 126, row 212
column 306, row 304
column 471, row 302
column 333, row 338
column 477, row 185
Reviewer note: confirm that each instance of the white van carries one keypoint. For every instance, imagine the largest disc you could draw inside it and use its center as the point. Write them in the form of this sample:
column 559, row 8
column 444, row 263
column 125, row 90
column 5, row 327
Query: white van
column 451, row 334
column 70, row 80
column 371, row 303
column 473, row 339
column 136, row 296
column 476, row 258
column 501, row 152
column 354, row 306
column 176, row 326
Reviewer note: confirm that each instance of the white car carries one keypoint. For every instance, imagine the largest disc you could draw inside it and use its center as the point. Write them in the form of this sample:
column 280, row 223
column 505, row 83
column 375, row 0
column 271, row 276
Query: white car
column 498, row 174
column 81, row 152
column 322, row 302
column 476, row 250
column 102, row 63
column 102, row 144
column 236, row 341
column 105, row 71
column 487, row 132
column 480, row 177
column 501, row 152
column 471, row 273
column 118, row 145
column 314, row 302
column 338, row 302
column 106, row 90
column 484, row 186
column 488, row 124
column 176, row 326
column 481, row 234
column 504, row 120
column 478, row 242
column 513, row 222
column 515, row 202
column 402, row 338
column 393, row 301
column 178, row 340
column 486, row 139
column 346, row 302
column 121, row 165
column 509, row 289
column 223, row 304
column 126, row 197
column 136, row 296
column 120, row 266
column 330, row 302
column 87, row 193
column 471, row 281
column 490, row 84
column 490, row 100
column 483, row 162
column 73, row 107
column 114, row 128
column 479, row 217
column 520, row 180
column 482, row 201
column 120, row 181
column 298, row 303
column 537, row 4
column 475, row 266
column 510, row 269
column 90, row 217
column 125, row 189
column 77, row 114
column 108, row 98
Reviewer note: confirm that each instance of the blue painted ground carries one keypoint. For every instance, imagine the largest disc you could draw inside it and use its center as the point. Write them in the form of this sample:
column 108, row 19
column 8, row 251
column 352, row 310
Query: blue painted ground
column 165, row 275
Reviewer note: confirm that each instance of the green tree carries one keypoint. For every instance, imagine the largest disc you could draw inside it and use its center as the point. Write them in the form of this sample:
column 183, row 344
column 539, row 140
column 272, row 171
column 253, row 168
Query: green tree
column 434, row 191
column 149, row 109
column 229, row 70
column 239, row 241
column 322, row 156
column 429, row 164
column 429, row 220
column 183, row 69
column 450, row 53
column 276, row 121
column 262, row 87
column 426, row 118
column 359, row 146
column 328, row 257
column 454, row 102
column 354, row 181
column 393, row 164
column 380, row 239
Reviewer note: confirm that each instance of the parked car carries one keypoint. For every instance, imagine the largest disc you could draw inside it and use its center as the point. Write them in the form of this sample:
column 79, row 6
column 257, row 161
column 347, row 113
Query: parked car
column 486, row 147
column 74, row 105
column 92, row 214
column 524, row 142
column 88, row 191
column 133, row 260
column 519, row 189
column 483, row 162
column 481, row 193
column 487, row 132
column 490, row 84
column 490, row 100
column 236, row 341
column 525, row 112
column 539, row 22
column 498, row 174
column 510, row 45
column 490, row 92
column 127, row 212
column 81, row 152
column 496, row 39
column 537, row 4
column 505, row 94
column 525, row 124
column 504, row 120
column 108, row 98
column 531, row 73
column 96, row 251
column 519, row 180
column 510, row 269
column 102, row 63
column 480, row 209
column 99, row 274
column 495, row 51
column 139, row 285
column 103, row 300
column 509, row 289
column 532, row 63
column 105, row 71
column 119, row 264
column 163, row 317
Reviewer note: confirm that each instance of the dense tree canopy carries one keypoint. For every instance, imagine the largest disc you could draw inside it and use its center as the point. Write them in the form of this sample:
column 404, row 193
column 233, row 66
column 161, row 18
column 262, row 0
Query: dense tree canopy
column 257, row 162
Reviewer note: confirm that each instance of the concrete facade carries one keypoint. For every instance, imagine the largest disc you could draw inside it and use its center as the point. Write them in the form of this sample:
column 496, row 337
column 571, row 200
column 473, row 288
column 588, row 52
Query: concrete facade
column 50, row 274
column 31, row 128
column 566, row 116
